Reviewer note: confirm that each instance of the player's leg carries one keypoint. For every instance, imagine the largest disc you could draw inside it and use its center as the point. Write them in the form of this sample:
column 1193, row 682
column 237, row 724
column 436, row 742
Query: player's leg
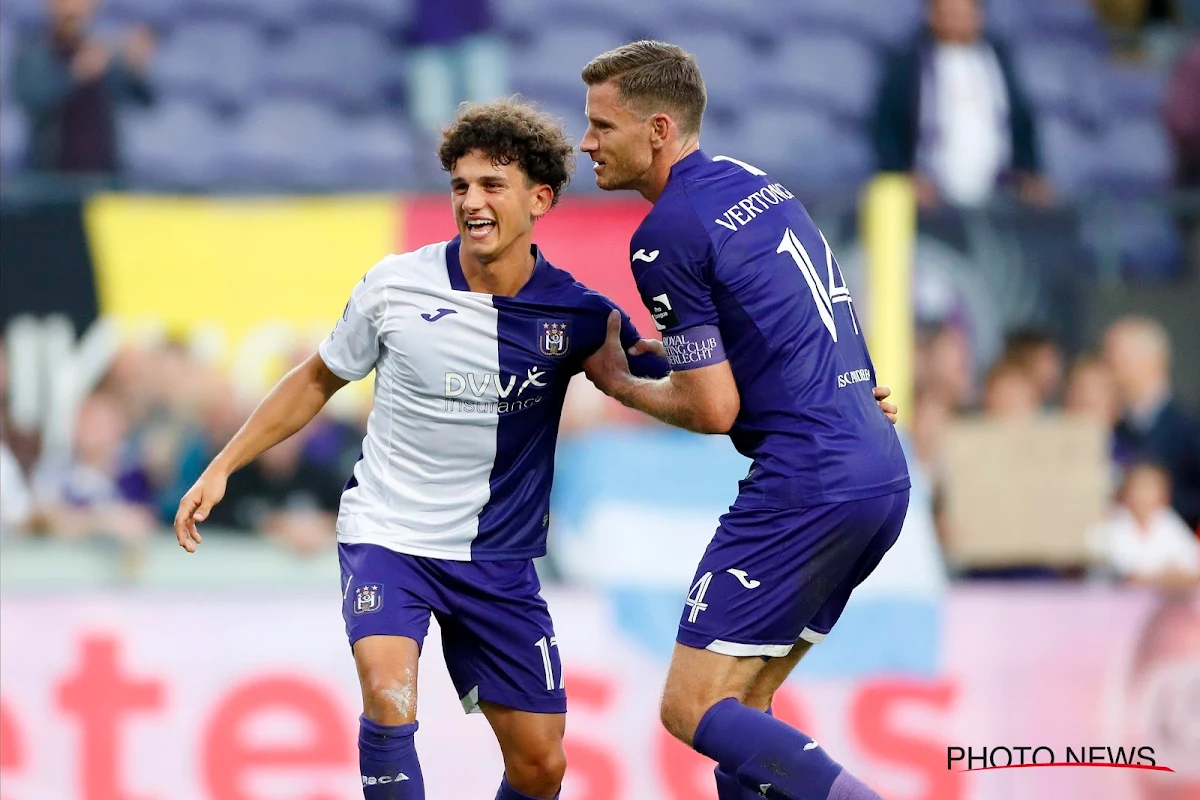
column 764, row 576
column 386, row 604
column 532, row 746
column 503, row 657
column 764, row 766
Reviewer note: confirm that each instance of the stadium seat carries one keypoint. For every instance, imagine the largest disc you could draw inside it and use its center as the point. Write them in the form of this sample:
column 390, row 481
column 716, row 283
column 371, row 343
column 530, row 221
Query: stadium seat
column 1135, row 158
column 885, row 23
column 159, row 13
column 836, row 74
column 548, row 69
column 14, row 132
column 1136, row 91
column 376, row 154
column 174, row 146
column 807, row 151
column 382, row 15
column 1062, row 19
column 1065, row 78
column 341, row 63
column 19, row 14
column 214, row 62
column 726, row 60
column 284, row 144
column 1068, row 155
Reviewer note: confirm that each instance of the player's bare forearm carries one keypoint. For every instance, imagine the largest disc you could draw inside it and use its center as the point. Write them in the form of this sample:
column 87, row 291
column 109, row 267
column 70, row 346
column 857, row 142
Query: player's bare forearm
column 671, row 403
column 289, row 406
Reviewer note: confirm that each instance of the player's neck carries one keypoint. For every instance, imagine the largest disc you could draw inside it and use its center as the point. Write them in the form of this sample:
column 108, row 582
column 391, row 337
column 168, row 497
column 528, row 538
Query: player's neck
column 503, row 276
column 660, row 168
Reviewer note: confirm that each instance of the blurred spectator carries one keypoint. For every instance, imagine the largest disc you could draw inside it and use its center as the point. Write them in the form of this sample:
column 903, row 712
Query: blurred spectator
column 1153, row 425
column 284, row 497
column 1144, row 539
column 1091, row 392
column 96, row 489
column 70, row 84
column 1041, row 356
column 1011, row 391
column 456, row 56
column 1182, row 116
column 943, row 365
column 951, row 110
column 16, row 503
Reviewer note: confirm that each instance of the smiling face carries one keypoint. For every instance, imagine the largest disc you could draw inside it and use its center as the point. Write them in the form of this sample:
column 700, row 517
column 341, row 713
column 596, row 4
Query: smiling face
column 618, row 139
column 495, row 206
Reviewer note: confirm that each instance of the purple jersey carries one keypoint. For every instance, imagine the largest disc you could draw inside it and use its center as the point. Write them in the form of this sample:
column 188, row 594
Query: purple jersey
column 732, row 268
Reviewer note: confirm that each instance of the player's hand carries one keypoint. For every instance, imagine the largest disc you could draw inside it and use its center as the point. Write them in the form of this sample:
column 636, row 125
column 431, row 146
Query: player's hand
column 652, row 346
column 195, row 507
column 90, row 62
column 882, row 393
column 608, row 367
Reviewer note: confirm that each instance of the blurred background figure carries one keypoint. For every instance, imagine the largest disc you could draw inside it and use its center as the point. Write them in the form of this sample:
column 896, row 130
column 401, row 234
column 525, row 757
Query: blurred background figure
column 1182, row 116
column 951, row 110
column 1041, row 357
column 1011, row 392
column 1091, row 392
column 1154, row 425
column 457, row 54
column 1144, row 539
column 97, row 489
column 72, row 84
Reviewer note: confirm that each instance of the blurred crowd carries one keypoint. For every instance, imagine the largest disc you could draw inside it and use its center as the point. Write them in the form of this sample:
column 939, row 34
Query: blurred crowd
column 143, row 435
column 943, row 94
column 1152, row 532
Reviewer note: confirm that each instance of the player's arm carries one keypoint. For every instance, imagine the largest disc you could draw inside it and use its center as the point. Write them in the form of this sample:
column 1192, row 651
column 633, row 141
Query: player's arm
column 348, row 353
column 704, row 399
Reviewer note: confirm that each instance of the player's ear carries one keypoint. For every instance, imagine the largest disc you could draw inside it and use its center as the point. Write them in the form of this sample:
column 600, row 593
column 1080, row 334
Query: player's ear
column 543, row 198
column 660, row 129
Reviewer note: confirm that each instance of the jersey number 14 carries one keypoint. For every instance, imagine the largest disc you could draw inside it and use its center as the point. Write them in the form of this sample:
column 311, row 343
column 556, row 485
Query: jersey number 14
column 825, row 290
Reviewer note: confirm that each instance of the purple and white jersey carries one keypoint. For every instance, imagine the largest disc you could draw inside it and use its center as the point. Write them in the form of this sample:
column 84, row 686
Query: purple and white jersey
column 459, row 453
column 732, row 268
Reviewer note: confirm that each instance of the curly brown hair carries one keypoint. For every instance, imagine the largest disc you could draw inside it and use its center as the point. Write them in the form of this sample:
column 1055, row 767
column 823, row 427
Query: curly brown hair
column 512, row 131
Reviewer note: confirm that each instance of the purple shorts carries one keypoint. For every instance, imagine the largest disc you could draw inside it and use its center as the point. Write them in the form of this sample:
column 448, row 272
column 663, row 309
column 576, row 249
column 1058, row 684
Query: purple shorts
column 497, row 636
column 770, row 578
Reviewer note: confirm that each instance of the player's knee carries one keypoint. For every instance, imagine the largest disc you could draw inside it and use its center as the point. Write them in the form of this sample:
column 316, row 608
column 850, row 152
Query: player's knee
column 389, row 699
column 681, row 714
column 537, row 772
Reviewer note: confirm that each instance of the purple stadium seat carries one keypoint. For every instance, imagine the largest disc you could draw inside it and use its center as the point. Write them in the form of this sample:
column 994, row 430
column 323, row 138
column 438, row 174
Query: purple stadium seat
column 1065, row 78
column 1135, row 158
column 726, row 60
column 214, row 62
column 341, row 63
column 284, row 144
column 548, row 69
column 19, row 14
column 14, row 132
column 382, row 15
column 837, row 74
column 880, row 22
column 377, row 154
column 174, row 146
column 1069, row 155
column 159, row 13
column 1136, row 91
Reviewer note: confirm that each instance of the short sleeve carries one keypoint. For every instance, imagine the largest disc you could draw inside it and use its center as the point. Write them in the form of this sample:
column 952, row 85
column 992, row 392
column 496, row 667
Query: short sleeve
column 646, row 365
column 352, row 347
column 672, row 259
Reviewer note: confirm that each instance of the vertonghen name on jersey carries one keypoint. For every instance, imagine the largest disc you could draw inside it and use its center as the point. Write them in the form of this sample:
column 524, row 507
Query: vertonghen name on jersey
column 752, row 205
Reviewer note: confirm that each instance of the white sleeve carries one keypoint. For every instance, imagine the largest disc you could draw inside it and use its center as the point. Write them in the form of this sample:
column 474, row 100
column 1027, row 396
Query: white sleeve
column 352, row 347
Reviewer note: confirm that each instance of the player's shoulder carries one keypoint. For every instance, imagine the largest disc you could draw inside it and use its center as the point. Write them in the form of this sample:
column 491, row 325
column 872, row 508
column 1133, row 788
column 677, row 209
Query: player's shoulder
column 427, row 262
column 672, row 228
column 560, row 287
